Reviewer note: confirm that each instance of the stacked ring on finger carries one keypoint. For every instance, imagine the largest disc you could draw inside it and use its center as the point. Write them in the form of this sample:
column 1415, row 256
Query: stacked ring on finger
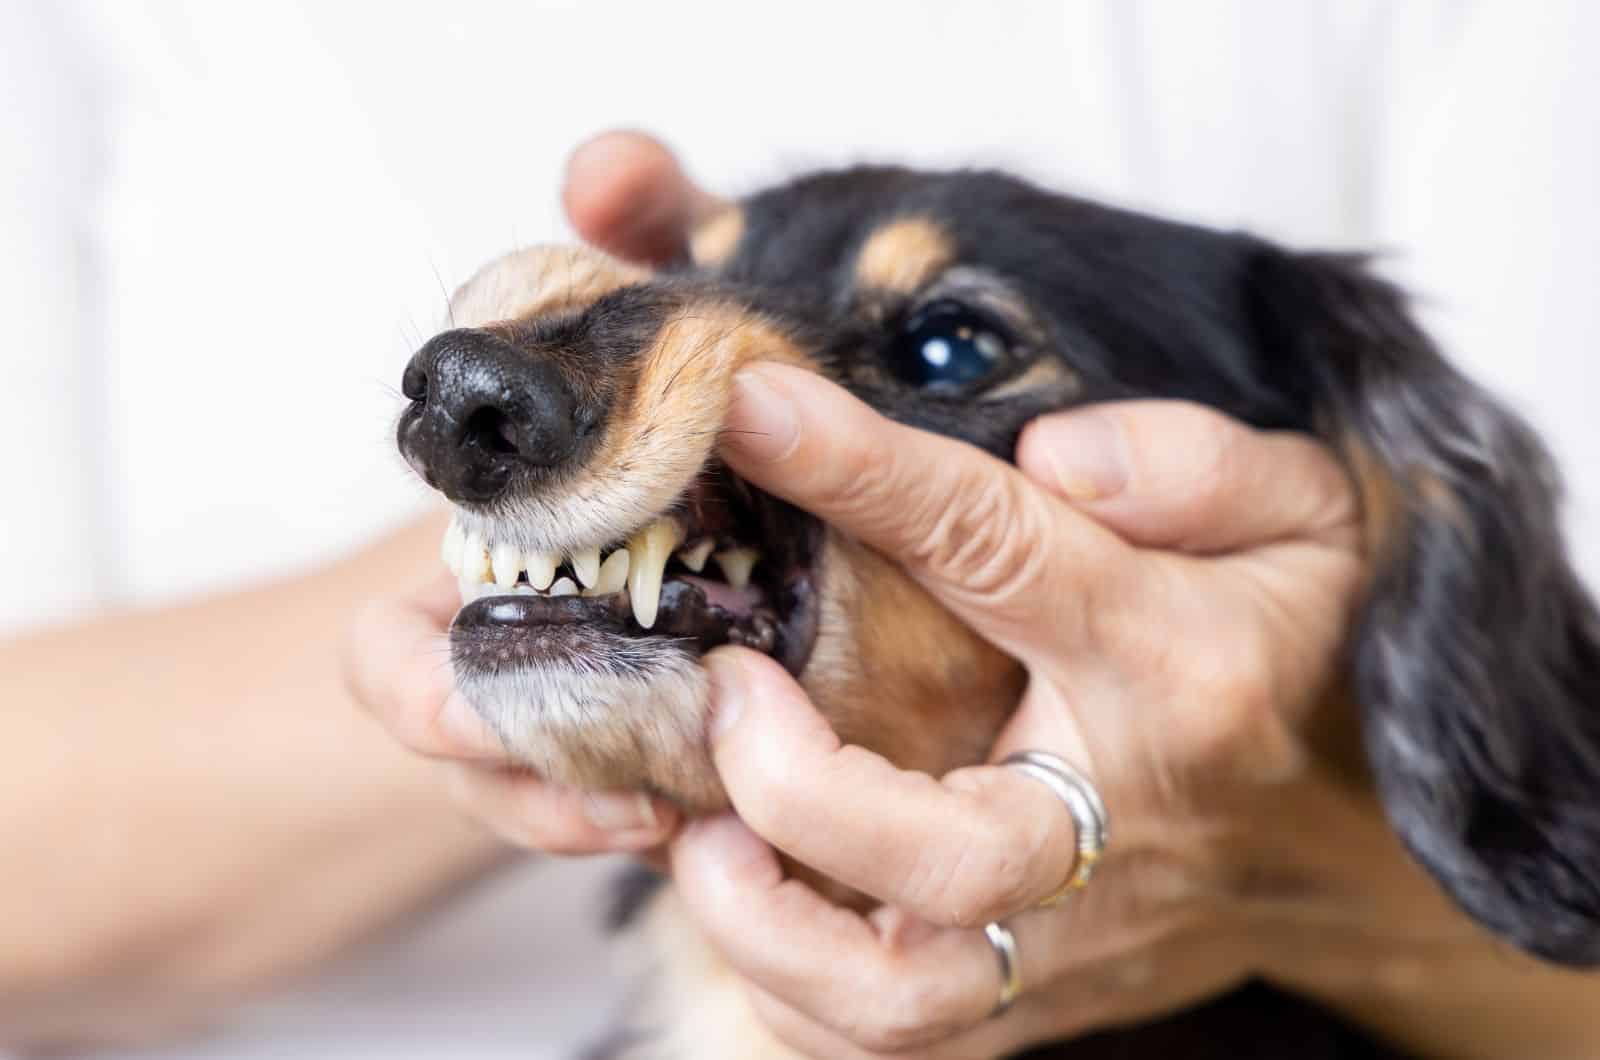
column 1083, row 802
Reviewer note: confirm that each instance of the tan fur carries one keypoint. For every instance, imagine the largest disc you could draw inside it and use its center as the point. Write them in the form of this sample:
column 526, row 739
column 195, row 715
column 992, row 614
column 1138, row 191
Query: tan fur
column 894, row 671
column 714, row 241
column 903, row 255
column 1045, row 373
column 538, row 280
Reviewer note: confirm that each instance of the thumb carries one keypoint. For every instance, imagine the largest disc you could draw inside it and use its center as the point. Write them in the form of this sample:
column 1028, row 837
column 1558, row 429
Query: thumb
column 1007, row 558
column 1172, row 474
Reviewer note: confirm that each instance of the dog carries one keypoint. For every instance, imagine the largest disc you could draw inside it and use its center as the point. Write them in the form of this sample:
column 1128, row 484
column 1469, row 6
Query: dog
column 571, row 413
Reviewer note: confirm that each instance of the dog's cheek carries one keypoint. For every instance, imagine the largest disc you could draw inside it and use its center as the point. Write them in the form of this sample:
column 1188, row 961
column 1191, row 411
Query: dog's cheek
column 895, row 672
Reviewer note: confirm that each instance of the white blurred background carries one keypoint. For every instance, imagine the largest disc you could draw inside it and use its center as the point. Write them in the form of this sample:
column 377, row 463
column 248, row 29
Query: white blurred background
column 224, row 227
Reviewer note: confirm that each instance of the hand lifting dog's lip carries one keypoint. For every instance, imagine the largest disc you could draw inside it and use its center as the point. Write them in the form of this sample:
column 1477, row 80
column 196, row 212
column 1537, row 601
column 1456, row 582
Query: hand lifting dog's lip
column 571, row 414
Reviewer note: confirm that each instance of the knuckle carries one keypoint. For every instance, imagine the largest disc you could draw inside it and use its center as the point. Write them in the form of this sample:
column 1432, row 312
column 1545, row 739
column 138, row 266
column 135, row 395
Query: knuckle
column 984, row 535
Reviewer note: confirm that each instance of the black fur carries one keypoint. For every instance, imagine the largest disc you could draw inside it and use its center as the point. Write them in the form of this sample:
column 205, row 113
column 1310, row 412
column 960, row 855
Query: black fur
column 1477, row 661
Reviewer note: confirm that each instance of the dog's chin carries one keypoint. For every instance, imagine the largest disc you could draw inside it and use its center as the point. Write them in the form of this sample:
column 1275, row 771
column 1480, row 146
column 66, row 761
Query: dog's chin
column 588, row 706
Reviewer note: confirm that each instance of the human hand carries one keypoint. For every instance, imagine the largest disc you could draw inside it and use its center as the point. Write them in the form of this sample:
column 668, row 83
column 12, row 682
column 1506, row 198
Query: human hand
column 1178, row 664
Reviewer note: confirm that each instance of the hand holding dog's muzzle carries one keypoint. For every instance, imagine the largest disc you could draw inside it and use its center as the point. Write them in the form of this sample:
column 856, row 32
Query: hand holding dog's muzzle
column 1176, row 682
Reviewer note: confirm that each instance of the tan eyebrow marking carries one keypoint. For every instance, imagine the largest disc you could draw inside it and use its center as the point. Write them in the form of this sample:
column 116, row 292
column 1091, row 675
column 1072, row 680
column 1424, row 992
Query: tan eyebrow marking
column 713, row 242
column 903, row 255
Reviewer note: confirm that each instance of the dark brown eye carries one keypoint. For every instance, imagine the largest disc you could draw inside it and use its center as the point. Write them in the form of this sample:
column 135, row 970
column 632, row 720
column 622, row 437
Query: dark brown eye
column 947, row 346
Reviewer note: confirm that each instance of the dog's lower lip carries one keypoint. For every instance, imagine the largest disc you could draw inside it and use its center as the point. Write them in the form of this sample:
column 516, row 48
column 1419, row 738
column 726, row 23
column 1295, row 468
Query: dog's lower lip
column 685, row 612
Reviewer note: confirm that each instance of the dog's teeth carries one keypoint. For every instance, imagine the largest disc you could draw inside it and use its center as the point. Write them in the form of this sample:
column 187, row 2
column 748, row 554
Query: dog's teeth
column 541, row 567
column 736, row 564
column 472, row 589
column 450, row 551
column 694, row 556
column 586, row 564
column 506, row 560
column 613, row 575
column 474, row 558
column 648, row 552
column 564, row 587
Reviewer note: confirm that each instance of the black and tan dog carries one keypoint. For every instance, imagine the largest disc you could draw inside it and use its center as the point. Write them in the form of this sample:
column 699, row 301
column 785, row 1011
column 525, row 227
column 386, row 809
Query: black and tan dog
column 572, row 414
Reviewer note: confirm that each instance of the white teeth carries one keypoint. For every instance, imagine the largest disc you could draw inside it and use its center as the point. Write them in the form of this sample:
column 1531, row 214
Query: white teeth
column 541, row 567
column 613, row 575
column 648, row 552
column 450, row 551
column 564, row 587
column 474, row 558
column 694, row 557
column 473, row 589
column 506, row 560
column 736, row 564
column 586, row 564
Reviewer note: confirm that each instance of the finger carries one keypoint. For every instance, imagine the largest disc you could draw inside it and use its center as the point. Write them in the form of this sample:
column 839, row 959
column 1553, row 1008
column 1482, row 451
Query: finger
column 825, row 961
column 626, row 193
column 977, row 846
column 1011, row 561
column 1172, row 474
column 1001, row 1036
column 397, row 666
column 529, row 812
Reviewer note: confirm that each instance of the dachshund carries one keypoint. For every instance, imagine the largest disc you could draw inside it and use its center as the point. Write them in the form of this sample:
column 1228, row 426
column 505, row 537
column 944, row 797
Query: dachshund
column 571, row 413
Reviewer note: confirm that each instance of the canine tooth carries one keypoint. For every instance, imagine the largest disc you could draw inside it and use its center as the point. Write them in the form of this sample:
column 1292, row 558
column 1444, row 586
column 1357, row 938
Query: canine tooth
column 694, row 556
column 564, row 587
column 450, row 551
column 648, row 551
column 506, row 561
column 613, row 575
column 736, row 564
column 474, row 558
column 541, row 567
column 586, row 564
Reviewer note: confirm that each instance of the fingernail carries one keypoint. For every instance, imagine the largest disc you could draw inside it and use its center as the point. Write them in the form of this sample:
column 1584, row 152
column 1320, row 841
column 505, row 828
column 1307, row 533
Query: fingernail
column 615, row 812
column 761, row 421
column 1086, row 453
column 727, row 694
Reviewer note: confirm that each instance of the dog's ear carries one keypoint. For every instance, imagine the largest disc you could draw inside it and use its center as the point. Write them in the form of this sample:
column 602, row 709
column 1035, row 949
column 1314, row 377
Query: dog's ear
column 1477, row 657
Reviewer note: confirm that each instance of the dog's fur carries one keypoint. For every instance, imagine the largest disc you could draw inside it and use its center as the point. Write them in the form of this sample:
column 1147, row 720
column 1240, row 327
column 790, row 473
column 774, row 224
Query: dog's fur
column 1476, row 656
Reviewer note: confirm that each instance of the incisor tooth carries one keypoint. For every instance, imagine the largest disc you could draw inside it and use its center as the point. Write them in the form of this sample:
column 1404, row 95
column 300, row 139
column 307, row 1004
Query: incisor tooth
column 564, row 587
column 474, row 558
column 541, row 568
column 506, row 560
column 586, row 564
column 694, row 556
column 613, row 575
column 450, row 551
column 648, row 552
column 736, row 564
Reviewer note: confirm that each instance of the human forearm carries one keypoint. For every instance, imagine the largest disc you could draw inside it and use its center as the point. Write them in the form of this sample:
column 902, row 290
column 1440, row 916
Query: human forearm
column 193, row 805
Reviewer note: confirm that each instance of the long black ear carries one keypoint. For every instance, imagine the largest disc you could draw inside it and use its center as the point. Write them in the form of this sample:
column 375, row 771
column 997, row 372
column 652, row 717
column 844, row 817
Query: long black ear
column 1477, row 659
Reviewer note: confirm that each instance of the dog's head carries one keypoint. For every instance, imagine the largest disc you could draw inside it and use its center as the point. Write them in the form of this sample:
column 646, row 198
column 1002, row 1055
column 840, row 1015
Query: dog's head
column 572, row 414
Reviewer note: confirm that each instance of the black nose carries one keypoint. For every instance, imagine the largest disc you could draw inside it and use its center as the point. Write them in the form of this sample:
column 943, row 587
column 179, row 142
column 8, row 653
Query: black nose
column 481, row 409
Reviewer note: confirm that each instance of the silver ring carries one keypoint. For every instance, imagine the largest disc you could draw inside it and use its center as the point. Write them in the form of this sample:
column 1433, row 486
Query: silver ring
column 1004, row 944
column 1083, row 802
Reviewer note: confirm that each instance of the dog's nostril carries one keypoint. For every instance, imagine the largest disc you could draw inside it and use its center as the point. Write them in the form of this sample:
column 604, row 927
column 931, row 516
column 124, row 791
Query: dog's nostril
column 492, row 431
column 414, row 383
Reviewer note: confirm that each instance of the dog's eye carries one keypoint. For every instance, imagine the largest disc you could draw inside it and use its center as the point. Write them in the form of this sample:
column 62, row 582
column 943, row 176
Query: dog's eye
column 946, row 346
